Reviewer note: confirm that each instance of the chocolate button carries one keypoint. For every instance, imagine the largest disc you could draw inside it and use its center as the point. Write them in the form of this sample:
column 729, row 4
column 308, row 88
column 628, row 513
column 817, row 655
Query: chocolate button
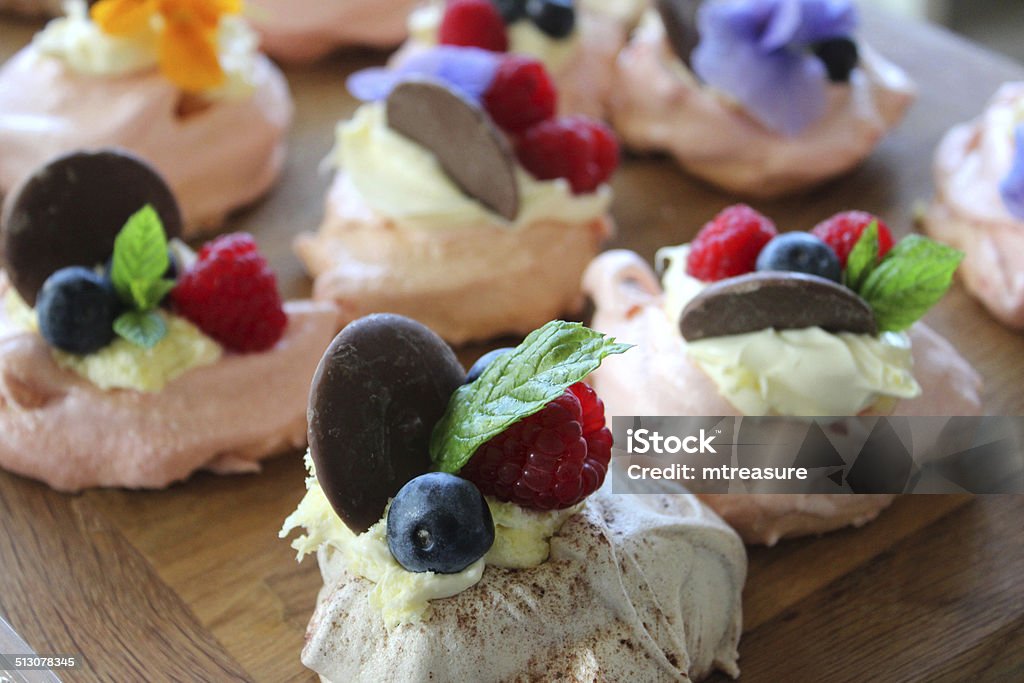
column 679, row 18
column 380, row 388
column 473, row 153
column 69, row 212
column 783, row 301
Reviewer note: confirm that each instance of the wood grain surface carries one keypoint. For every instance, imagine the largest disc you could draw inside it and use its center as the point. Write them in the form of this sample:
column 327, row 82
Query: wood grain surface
column 192, row 583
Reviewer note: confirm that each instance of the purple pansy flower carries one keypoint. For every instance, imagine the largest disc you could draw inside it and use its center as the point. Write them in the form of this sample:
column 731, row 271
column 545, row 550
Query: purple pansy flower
column 1012, row 187
column 759, row 52
column 467, row 70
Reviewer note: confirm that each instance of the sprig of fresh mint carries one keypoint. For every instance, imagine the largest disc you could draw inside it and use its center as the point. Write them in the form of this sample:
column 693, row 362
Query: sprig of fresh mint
column 515, row 386
column 911, row 279
column 137, row 272
column 863, row 257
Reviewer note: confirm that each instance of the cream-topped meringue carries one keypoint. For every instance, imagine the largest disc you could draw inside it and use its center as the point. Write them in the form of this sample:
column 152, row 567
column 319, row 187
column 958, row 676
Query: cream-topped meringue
column 637, row 587
column 223, row 417
column 658, row 104
column 660, row 378
column 74, row 88
column 968, row 211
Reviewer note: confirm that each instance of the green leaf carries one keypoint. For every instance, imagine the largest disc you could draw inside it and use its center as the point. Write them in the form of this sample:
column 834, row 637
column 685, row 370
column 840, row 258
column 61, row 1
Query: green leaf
column 140, row 259
column 517, row 385
column 140, row 328
column 863, row 257
column 913, row 277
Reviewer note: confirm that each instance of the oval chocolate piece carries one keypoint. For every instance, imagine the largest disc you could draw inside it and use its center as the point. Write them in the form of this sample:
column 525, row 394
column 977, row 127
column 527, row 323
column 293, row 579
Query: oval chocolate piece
column 470, row 149
column 69, row 212
column 779, row 300
column 679, row 17
column 380, row 388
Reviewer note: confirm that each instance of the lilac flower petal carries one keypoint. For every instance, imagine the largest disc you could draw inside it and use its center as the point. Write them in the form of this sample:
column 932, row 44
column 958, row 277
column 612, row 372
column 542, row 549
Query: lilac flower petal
column 370, row 85
column 824, row 19
column 1012, row 187
column 469, row 71
column 783, row 23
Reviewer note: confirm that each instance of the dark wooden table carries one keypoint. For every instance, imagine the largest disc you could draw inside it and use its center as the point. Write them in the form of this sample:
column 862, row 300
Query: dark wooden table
column 193, row 584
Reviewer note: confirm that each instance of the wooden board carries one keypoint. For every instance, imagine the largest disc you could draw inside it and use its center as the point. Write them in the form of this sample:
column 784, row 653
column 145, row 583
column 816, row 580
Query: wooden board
column 192, row 583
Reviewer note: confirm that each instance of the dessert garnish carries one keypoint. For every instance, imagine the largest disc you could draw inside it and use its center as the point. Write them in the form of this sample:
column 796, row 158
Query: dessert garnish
column 390, row 403
column 186, row 32
column 470, row 149
column 485, row 23
column 775, row 57
column 844, row 276
column 105, row 295
column 471, row 109
column 1011, row 189
column 69, row 212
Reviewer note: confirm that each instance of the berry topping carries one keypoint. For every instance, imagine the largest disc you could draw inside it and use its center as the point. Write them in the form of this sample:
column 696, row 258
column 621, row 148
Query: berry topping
column 439, row 523
column 550, row 460
column 483, row 363
column 556, row 18
column 800, row 252
column 842, row 231
column 577, row 148
column 511, row 10
column 521, row 94
column 729, row 244
column 231, row 294
column 839, row 56
column 473, row 23
column 77, row 309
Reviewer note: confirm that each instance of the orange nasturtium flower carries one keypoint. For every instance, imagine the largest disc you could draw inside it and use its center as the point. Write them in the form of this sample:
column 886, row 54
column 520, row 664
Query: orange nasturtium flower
column 187, row 49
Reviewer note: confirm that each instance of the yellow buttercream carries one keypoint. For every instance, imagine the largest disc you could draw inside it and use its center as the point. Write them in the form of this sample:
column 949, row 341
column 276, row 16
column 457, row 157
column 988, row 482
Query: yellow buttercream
column 522, row 539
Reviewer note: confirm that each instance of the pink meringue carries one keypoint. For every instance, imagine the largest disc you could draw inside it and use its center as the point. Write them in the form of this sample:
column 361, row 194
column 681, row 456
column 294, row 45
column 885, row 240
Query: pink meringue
column 657, row 104
column 469, row 283
column 217, row 155
column 968, row 211
column 658, row 378
column 306, row 30
column 59, row 428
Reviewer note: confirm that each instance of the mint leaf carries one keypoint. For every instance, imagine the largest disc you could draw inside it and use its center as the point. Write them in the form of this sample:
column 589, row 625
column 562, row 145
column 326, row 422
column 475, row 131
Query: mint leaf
column 517, row 385
column 140, row 259
column 141, row 329
column 913, row 277
column 863, row 257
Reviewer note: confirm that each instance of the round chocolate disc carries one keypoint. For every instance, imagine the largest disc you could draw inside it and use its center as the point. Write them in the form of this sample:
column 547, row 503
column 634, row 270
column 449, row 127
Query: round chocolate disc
column 69, row 212
column 380, row 388
column 470, row 149
column 679, row 17
column 779, row 300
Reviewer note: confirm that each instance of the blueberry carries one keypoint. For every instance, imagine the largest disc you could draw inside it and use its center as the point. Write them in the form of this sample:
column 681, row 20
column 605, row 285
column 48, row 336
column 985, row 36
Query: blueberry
column 484, row 361
column 511, row 10
column 439, row 523
column 76, row 309
column 800, row 252
column 556, row 18
column 839, row 56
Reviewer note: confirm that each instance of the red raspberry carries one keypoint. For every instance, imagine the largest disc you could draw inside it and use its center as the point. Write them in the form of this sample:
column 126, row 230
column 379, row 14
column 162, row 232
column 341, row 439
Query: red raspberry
column 842, row 231
column 473, row 23
column 580, row 149
column 728, row 246
column 521, row 94
column 550, row 460
column 231, row 294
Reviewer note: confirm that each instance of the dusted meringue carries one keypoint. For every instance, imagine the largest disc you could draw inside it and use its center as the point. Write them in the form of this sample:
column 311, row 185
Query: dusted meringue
column 658, row 104
column 968, row 212
column 637, row 587
column 76, row 88
column 223, row 417
column 659, row 378
column 581, row 65
column 305, row 30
